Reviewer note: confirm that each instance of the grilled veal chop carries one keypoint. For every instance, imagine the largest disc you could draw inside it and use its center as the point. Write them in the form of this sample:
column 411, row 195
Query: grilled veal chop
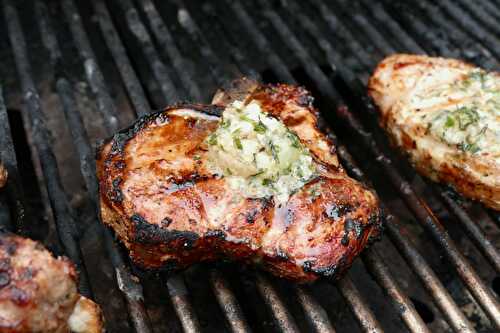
column 38, row 292
column 249, row 178
column 445, row 114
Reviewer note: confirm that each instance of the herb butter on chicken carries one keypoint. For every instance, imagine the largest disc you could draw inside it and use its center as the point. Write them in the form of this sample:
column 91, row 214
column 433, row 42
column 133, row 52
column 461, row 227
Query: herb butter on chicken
column 38, row 292
column 446, row 115
column 248, row 178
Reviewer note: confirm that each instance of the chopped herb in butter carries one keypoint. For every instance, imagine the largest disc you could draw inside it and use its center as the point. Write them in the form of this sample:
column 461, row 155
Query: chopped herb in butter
column 473, row 124
column 257, row 154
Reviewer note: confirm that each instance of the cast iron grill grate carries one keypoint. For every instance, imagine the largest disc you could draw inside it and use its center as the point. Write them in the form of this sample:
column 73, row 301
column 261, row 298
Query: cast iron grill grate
column 112, row 60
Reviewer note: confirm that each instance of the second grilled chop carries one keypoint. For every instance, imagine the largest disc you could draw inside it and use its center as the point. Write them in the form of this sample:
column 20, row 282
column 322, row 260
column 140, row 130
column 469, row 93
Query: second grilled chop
column 445, row 114
column 249, row 178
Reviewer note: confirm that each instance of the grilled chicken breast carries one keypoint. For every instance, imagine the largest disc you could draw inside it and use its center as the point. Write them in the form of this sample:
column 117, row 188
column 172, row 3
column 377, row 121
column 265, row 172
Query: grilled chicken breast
column 249, row 178
column 38, row 292
column 445, row 114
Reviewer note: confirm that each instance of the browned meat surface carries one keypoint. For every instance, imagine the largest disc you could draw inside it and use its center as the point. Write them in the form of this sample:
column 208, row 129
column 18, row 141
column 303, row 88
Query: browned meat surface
column 3, row 175
column 37, row 291
column 444, row 115
column 170, row 210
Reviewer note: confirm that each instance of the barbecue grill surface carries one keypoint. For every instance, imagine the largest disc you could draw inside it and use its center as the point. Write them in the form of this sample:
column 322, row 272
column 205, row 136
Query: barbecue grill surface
column 75, row 72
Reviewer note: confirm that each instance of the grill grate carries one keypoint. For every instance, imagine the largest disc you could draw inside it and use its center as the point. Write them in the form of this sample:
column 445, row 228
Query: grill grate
column 350, row 39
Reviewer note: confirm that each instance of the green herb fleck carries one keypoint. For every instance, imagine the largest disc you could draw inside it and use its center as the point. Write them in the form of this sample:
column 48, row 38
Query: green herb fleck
column 295, row 140
column 449, row 122
column 259, row 127
column 212, row 139
column 226, row 123
column 196, row 157
column 274, row 151
column 237, row 142
column 266, row 181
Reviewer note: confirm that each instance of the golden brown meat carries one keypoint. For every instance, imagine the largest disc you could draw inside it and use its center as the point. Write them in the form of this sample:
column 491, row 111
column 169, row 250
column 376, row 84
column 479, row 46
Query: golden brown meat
column 37, row 291
column 161, row 195
column 3, row 175
column 444, row 114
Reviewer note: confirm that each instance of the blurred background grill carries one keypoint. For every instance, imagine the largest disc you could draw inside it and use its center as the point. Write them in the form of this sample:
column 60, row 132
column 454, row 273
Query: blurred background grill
column 73, row 72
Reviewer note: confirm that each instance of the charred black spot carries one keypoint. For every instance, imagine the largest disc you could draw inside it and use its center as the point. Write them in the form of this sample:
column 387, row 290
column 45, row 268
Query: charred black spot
column 282, row 255
column 327, row 271
column 216, row 234
column 355, row 226
column 120, row 165
column 333, row 270
column 345, row 239
column 250, row 216
column 212, row 110
column 307, row 266
column 289, row 217
column 305, row 100
column 115, row 194
column 120, row 139
column 147, row 233
column 166, row 222
column 335, row 211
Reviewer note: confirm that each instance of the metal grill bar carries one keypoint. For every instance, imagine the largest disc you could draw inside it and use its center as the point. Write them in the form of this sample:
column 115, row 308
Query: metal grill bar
column 480, row 235
column 358, row 306
column 227, row 300
column 444, row 301
column 62, row 211
column 400, row 301
column 378, row 268
column 176, row 285
column 471, row 26
column 474, row 232
column 94, row 75
column 133, row 290
column 284, row 319
column 309, row 307
column 129, row 78
column 180, row 300
column 191, row 27
column 480, row 239
column 237, row 55
column 425, row 216
column 15, row 193
column 126, row 282
column 314, row 312
column 159, row 70
column 271, row 57
column 167, row 43
column 346, row 287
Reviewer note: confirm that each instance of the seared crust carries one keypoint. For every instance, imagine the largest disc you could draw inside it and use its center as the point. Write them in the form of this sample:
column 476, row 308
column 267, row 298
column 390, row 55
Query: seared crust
column 37, row 291
column 398, row 79
column 3, row 175
column 171, row 212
